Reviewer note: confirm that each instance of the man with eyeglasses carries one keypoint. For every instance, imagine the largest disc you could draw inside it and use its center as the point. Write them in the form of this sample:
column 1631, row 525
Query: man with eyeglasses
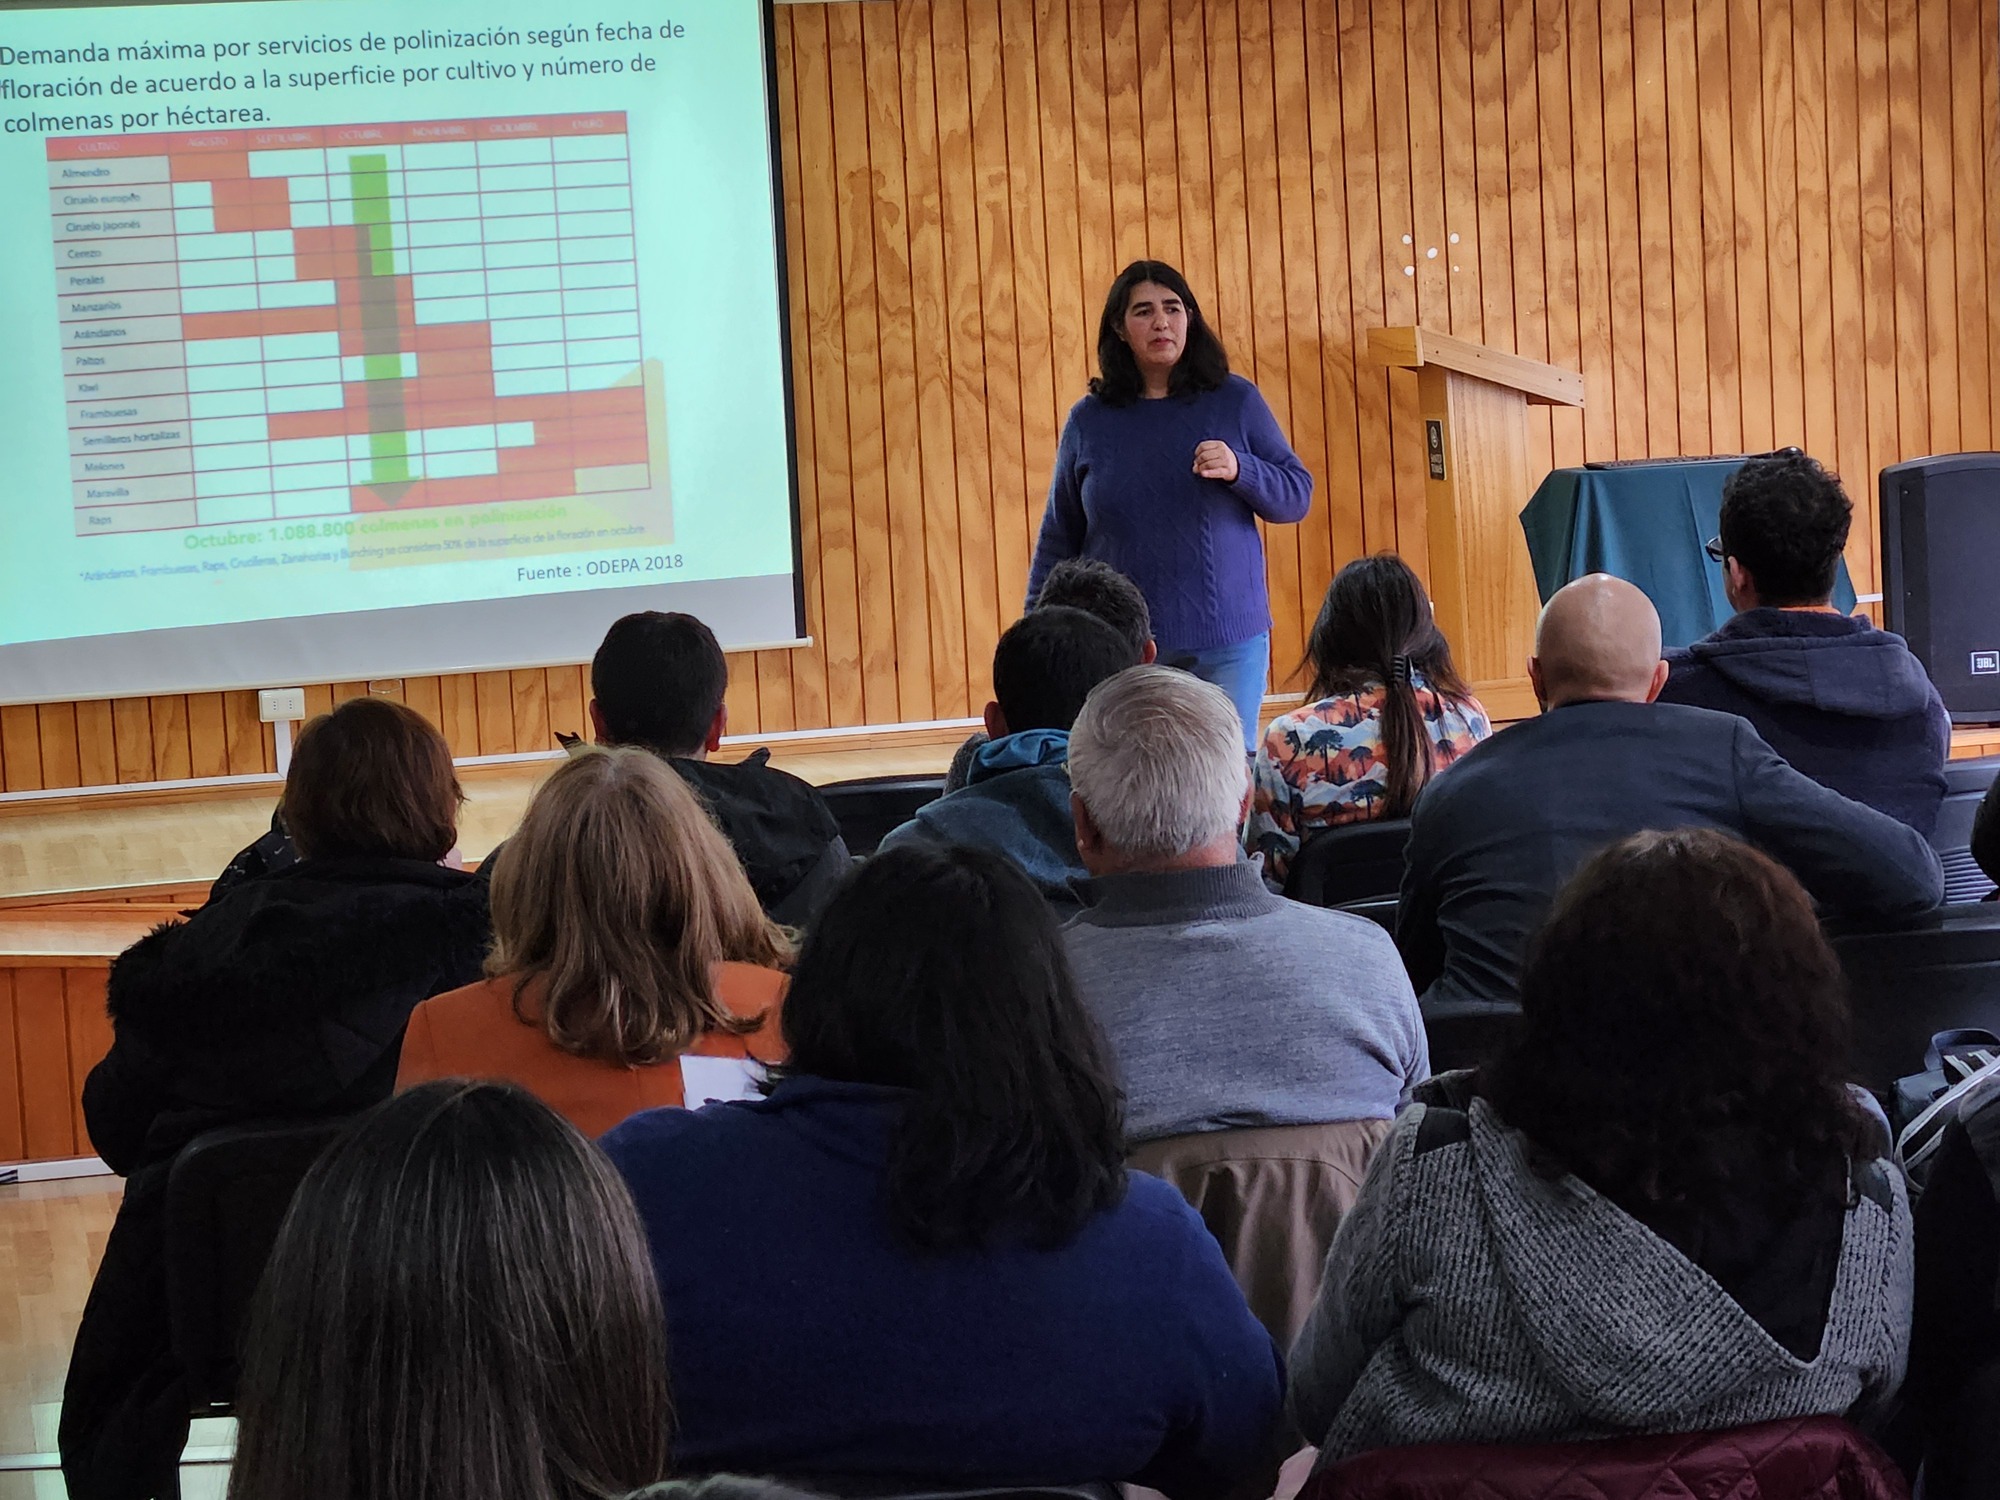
column 1843, row 702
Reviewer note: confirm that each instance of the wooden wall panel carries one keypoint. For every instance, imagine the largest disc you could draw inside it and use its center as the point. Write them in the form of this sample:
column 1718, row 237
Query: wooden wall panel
column 42, row 1054
column 89, row 1028
column 53, row 1031
column 13, row 1125
column 1749, row 222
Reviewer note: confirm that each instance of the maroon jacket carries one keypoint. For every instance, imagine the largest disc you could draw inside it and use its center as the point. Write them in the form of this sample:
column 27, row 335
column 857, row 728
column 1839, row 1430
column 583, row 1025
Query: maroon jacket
column 1799, row 1458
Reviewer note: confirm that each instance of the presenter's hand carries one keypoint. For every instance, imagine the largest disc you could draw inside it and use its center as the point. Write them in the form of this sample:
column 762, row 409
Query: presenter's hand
column 1215, row 459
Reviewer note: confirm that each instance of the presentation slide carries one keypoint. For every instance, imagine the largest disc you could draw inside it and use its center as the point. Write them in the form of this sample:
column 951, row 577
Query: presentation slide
column 360, row 337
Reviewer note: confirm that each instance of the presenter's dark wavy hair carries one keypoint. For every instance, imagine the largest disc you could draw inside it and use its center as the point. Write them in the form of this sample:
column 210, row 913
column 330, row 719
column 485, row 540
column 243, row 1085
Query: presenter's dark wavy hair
column 1203, row 364
column 460, row 1304
column 943, row 973
column 1376, row 625
column 1683, row 1014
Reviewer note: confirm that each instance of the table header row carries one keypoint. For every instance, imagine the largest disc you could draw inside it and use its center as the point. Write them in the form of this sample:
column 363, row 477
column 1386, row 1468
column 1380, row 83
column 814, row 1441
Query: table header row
column 78, row 148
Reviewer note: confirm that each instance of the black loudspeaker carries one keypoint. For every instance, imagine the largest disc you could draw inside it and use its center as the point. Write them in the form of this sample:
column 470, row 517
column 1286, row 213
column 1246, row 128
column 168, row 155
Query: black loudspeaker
column 1941, row 574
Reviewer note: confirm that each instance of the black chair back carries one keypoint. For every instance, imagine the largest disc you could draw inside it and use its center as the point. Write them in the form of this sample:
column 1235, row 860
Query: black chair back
column 1964, row 1438
column 226, row 1196
column 1354, row 862
column 868, row 807
column 1912, row 980
column 1966, row 782
column 1381, row 911
column 1466, row 1036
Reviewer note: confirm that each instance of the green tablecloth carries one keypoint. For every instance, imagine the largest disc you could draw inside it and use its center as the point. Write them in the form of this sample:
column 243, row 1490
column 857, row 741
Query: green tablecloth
column 1645, row 524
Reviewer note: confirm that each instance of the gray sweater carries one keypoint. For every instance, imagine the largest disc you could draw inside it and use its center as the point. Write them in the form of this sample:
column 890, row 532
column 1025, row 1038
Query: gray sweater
column 1228, row 1006
column 1468, row 1298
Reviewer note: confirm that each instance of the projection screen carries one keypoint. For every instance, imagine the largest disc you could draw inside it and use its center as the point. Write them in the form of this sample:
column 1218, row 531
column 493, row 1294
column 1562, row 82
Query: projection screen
column 362, row 338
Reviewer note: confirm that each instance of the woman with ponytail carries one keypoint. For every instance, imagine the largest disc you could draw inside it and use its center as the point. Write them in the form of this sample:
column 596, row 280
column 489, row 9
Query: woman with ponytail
column 1386, row 711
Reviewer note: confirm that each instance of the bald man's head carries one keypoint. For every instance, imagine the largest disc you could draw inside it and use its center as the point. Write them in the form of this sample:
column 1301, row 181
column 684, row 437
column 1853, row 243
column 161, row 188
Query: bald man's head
column 1599, row 638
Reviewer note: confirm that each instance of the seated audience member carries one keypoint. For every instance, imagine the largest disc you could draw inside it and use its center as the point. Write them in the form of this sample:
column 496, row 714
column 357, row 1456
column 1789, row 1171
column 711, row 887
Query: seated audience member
column 1955, row 1342
column 269, row 852
column 624, row 936
column 920, row 1260
column 1491, row 842
column 285, row 997
column 1225, row 1006
column 1386, row 711
column 657, row 682
column 1016, row 801
column 1661, row 1210
column 1098, row 589
column 459, row 1306
column 1845, row 703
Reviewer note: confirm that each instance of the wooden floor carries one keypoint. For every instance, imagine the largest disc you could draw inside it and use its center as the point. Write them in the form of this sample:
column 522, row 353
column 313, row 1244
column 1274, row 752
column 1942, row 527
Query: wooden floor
column 172, row 844
column 51, row 1238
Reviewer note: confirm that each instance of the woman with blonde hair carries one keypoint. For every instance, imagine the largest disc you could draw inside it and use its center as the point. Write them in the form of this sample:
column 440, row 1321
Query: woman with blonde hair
column 626, row 936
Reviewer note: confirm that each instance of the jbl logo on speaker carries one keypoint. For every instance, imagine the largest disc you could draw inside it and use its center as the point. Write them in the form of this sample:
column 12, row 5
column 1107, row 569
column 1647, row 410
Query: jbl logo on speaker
column 1986, row 664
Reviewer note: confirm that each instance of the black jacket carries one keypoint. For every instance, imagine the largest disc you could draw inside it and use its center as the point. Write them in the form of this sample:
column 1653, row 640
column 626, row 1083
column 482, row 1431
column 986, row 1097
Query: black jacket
column 285, row 997
column 1845, row 703
column 1954, row 1379
column 781, row 828
column 1495, row 836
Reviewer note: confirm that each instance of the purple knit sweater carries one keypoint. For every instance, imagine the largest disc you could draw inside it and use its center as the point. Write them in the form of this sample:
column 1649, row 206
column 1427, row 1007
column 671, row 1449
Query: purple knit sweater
column 1124, row 491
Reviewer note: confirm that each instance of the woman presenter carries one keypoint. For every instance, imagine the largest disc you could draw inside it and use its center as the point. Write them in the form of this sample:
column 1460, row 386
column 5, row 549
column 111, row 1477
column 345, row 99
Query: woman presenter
column 1163, row 472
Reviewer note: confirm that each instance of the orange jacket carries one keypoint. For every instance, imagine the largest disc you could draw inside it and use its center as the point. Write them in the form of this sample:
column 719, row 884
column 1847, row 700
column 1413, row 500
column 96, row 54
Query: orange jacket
column 474, row 1033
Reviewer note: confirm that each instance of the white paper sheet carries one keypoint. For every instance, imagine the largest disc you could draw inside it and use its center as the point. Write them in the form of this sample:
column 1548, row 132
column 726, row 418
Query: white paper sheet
column 714, row 1080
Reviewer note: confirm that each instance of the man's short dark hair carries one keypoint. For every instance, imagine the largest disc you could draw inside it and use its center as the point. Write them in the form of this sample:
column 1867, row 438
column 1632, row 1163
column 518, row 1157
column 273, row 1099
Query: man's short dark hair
column 659, row 680
column 1099, row 589
column 1047, row 663
column 1785, row 519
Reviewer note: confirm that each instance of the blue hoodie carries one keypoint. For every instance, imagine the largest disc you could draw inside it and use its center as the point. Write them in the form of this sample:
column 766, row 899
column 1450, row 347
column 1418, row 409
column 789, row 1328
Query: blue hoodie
column 1015, row 802
column 1843, row 702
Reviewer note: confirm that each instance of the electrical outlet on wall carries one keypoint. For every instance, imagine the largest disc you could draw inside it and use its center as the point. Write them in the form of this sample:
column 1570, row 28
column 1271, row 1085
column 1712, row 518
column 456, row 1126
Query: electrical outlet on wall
column 281, row 705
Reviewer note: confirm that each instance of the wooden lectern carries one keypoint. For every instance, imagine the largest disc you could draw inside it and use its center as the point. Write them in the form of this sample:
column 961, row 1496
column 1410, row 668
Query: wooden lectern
column 1475, row 402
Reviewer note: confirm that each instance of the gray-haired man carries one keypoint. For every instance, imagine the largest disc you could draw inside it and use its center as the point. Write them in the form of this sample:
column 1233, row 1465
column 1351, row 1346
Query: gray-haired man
column 1226, row 1006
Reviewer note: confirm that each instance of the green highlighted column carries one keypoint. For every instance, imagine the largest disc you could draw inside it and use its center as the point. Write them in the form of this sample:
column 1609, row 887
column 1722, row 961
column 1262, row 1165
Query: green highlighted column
column 369, row 203
column 369, row 176
column 389, row 458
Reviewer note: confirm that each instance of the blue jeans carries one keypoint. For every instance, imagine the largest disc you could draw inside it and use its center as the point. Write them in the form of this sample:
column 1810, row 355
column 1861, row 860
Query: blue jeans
column 1239, row 670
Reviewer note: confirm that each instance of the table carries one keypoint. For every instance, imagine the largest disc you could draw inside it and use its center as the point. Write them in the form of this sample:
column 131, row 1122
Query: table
column 293, row 325
column 1645, row 524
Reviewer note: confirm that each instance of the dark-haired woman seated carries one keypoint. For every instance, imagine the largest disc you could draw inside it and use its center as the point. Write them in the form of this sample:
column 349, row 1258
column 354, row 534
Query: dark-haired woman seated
column 1386, row 711
column 459, row 1307
column 285, row 996
column 1661, row 1211
column 920, row 1260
